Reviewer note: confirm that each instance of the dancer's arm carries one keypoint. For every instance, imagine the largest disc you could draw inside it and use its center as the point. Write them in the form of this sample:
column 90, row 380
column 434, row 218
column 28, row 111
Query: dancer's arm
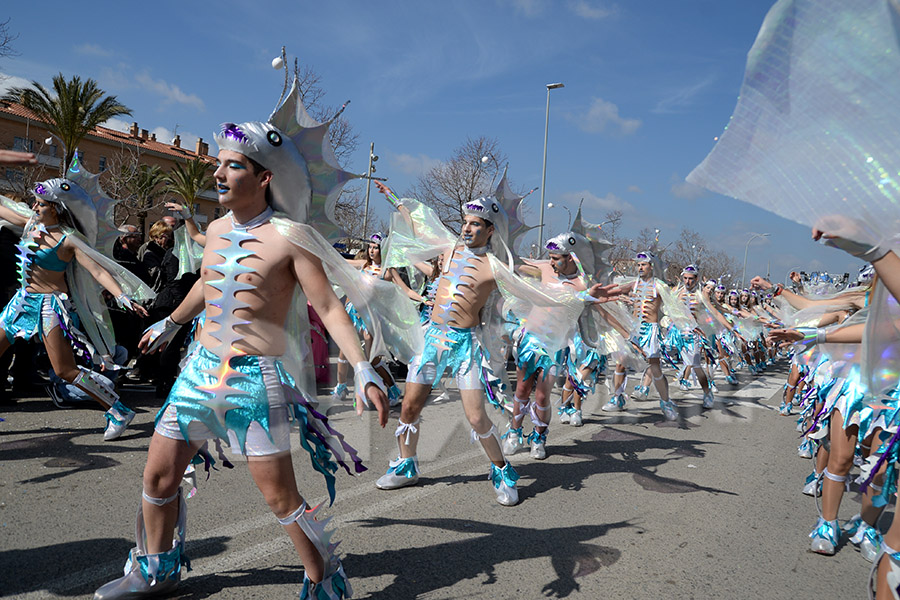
column 393, row 276
column 14, row 158
column 189, row 223
column 311, row 276
column 109, row 283
column 12, row 216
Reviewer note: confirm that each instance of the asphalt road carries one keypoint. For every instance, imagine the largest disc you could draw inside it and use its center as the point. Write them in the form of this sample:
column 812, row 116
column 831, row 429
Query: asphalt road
column 626, row 506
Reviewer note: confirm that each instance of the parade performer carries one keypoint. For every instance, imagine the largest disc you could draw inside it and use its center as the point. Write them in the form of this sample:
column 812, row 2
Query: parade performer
column 242, row 383
column 646, row 297
column 455, row 343
column 693, row 342
column 371, row 265
column 62, row 259
column 574, row 264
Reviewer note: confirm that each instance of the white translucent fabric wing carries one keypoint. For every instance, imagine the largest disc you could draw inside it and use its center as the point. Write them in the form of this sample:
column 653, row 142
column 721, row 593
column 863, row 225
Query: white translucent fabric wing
column 388, row 313
column 881, row 343
column 188, row 252
column 549, row 314
column 816, row 130
column 87, row 294
column 418, row 238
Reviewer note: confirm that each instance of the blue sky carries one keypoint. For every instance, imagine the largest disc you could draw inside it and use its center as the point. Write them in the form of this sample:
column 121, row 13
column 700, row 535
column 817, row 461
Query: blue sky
column 649, row 84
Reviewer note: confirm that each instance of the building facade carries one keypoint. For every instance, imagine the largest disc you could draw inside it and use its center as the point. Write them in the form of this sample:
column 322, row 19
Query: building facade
column 21, row 129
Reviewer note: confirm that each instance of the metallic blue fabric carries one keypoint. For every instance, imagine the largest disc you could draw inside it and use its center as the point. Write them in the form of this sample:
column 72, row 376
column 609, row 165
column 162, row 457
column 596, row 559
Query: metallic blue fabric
column 190, row 401
column 532, row 356
column 250, row 403
column 160, row 567
column 450, row 349
column 354, row 317
column 406, row 468
column 48, row 258
column 21, row 318
column 505, row 475
column 829, row 530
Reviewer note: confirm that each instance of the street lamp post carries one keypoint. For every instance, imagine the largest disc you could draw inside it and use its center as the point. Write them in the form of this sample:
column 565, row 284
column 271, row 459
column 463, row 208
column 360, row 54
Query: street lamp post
column 550, row 86
column 746, row 248
column 372, row 159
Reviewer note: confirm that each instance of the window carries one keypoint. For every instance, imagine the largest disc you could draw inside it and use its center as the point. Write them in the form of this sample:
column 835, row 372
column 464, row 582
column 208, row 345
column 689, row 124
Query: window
column 102, row 163
column 23, row 144
column 14, row 176
column 50, row 150
column 80, row 156
column 216, row 213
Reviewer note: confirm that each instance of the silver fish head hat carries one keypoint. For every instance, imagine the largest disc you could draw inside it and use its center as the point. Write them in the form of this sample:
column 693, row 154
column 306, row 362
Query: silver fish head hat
column 489, row 209
column 306, row 177
column 573, row 243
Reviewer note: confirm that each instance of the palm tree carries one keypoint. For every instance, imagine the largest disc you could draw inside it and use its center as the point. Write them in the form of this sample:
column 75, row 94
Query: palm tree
column 189, row 180
column 71, row 110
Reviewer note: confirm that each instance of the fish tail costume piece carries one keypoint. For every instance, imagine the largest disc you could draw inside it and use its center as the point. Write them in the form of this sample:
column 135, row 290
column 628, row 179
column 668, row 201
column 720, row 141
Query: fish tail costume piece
column 248, row 400
column 81, row 314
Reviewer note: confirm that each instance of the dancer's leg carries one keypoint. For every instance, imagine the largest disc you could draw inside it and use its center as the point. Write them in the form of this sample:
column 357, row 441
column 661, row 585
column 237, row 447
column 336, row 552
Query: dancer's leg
column 166, row 461
column 274, row 476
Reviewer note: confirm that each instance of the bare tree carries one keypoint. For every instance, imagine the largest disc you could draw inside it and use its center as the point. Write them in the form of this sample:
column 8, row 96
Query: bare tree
column 349, row 215
column 464, row 177
column 139, row 187
column 6, row 40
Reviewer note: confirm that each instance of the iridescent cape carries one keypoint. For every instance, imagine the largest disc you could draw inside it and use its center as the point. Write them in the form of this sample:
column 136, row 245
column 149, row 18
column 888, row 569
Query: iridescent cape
column 816, row 129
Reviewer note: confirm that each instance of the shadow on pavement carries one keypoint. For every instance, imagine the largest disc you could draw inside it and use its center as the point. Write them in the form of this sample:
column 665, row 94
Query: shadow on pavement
column 421, row 570
column 38, row 568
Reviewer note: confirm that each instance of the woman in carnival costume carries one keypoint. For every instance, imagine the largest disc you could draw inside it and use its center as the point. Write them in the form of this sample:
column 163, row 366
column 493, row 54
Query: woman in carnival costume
column 371, row 265
column 61, row 263
column 244, row 381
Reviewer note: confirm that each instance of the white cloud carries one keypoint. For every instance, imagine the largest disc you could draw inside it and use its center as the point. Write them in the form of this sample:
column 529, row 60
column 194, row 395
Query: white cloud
column 635, row 189
column 171, row 93
column 88, row 49
column 591, row 10
column 684, row 190
column 592, row 202
column 117, row 125
column 678, row 100
column 412, row 165
column 11, row 81
column 603, row 116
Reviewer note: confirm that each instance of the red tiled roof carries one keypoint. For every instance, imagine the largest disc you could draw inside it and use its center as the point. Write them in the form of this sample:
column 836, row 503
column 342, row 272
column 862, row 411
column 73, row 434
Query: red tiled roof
column 114, row 136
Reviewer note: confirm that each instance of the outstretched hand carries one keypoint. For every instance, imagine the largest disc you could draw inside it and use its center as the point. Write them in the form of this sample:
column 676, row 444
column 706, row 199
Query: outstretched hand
column 605, row 293
column 760, row 283
column 784, row 336
column 388, row 193
column 377, row 397
column 13, row 158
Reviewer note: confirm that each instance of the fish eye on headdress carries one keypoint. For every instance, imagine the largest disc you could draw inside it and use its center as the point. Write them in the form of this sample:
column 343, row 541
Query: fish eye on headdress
column 274, row 138
column 494, row 207
column 572, row 241
column 65, row 187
